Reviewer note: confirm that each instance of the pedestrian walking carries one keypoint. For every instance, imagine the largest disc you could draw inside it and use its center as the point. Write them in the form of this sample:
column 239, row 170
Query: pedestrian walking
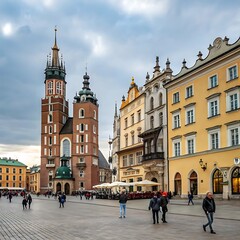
column 29, row 200
column 190, row 198
column 154, row 204
column 163, row 204
column 209, row 208
column 10, row 197
column 123, row 201
column 24, row 203
column 61, row 199
column 80, row 194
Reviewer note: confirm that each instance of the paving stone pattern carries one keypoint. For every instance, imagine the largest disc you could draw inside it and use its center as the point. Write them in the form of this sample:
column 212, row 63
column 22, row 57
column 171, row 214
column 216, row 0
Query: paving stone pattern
column 98, row 219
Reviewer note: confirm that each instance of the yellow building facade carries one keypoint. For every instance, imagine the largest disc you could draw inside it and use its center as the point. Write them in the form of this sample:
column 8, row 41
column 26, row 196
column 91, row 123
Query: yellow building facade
column 34, row 179
column 12, row 174
column 131, row 146
column 204, row 124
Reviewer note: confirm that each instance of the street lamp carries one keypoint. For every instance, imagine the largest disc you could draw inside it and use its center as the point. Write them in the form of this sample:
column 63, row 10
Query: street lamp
column 203, row 165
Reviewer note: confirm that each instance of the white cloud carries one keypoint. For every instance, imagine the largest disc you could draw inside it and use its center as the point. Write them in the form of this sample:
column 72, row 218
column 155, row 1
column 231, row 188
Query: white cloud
column 146, row 8
column 7, row 29
column 45, row 3
column 97, row 44
column 29, row 155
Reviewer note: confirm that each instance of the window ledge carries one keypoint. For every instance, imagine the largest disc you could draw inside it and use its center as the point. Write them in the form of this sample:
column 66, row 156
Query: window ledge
column 229, row 80
column 217, row 115
column 233, row 110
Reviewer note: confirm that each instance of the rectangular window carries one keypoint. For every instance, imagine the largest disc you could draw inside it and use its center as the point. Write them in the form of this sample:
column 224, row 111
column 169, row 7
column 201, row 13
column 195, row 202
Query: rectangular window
column 232, row 73
column 132, row 117
column 14, row 170
column 176, row 121
column 14, row 178
column 189, row 91
column 233, row 101
column 7, row 170
column 176, row 97
column 214, row 141
column 213, row 81
column 0, row 177
column 234, row 134
column 213, row 107
column 20, row 178
column 7, row 177
column 81, row 138
column 139, row 115
column 126, row 141
column 177, row 149
column 126, row 122
column 139, row 157
column 190, row 116
column 82, row 149
column 131, row 160
column 0, row 170
column 190, row 146
column 124, row 161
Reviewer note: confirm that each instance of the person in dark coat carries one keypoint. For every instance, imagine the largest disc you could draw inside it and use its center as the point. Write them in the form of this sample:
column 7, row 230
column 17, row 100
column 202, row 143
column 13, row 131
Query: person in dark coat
column 123, row 200
column 24, row 203
column 209, row 208
column 154, row 204
column 29, row 200
column 190, row 198
column 61, row 199
column 163, row 204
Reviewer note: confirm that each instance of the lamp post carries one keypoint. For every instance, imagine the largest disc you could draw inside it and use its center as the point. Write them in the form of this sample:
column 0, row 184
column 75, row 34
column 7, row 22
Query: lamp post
column 203, row 165
column 110, row 153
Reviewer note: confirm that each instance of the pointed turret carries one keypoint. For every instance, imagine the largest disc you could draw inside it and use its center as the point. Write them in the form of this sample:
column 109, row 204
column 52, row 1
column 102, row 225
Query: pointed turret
column 55, row 68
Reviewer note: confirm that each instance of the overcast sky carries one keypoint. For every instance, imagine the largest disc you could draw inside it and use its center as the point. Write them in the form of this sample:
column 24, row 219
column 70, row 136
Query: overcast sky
column 116, row 39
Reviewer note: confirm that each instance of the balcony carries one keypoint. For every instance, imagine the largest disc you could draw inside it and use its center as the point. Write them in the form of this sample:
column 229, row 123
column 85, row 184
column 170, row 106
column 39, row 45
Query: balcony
column 153, row 156
column 81, row 165
column 50, row 165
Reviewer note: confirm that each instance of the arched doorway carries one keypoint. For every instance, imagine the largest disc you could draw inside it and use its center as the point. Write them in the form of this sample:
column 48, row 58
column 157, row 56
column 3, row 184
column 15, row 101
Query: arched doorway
column 217, row 182
column 59, row 187
column 236, row 181
column 154, row 188
column 67, row 189
column 177, row 184
column 193, row 183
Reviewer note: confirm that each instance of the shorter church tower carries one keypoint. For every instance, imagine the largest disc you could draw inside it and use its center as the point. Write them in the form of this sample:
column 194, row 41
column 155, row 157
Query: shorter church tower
column 85, row 137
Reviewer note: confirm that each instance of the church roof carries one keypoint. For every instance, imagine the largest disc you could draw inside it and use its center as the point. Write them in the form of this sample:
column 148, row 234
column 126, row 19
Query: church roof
column 68, row 127
column 102, row 162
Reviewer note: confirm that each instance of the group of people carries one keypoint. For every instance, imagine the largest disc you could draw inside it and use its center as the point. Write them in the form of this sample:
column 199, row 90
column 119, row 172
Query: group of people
column 27, row 200
column 159, row 202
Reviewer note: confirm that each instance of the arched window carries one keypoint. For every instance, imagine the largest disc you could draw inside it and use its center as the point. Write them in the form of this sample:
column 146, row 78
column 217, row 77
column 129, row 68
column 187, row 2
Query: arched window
column 94, row 114
column 59, row 88
column 193, row 183
column 217, row 182
column 160, row 118
column 160, row 99
column 50, row 118
column 151, row 103
column 50, row 88
column 236, row 181
column 81, row 127
column 177, row 184
column 152, row 122
column 81, row 113
column 66, row 148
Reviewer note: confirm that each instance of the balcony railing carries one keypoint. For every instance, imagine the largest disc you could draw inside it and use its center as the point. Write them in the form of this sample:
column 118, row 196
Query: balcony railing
column 81, row 165
column 50, row 165
column 153, row 156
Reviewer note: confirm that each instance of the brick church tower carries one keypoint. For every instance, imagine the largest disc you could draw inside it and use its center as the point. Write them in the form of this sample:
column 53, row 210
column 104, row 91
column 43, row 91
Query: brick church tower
column 69, row 145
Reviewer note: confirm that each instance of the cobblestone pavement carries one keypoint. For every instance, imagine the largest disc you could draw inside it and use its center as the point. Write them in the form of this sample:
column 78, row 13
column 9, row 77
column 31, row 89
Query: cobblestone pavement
column 98, row 219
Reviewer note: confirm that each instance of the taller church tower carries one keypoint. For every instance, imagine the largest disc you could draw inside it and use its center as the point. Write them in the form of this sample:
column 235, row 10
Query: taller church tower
column 54, row 114
column 69, row 145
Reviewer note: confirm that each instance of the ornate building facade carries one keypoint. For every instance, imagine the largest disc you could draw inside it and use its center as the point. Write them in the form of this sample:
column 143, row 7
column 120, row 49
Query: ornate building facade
column 204, row 124
column 154, row 160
